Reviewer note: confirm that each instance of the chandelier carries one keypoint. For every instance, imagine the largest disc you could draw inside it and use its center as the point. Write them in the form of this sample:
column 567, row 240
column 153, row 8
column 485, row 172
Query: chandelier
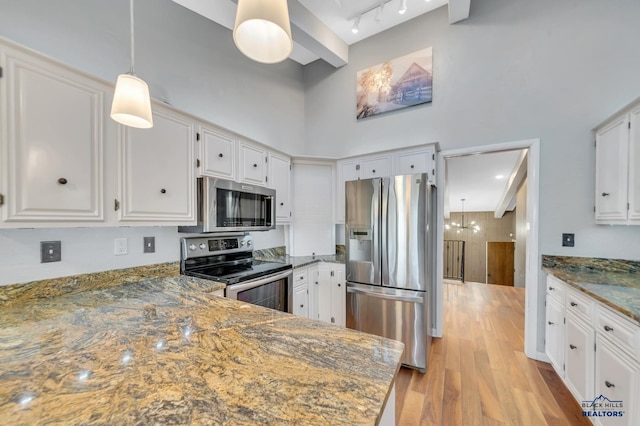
column 459, row 227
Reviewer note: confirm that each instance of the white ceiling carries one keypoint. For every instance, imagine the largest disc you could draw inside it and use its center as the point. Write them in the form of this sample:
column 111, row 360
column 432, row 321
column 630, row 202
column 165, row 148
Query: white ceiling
column 322, row 29
column 473, row 177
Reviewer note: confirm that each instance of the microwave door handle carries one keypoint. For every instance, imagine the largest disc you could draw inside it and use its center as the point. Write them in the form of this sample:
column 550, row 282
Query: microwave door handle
column 261, row 281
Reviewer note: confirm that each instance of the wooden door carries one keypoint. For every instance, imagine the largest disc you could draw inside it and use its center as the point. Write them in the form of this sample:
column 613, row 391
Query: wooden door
column 500, row 263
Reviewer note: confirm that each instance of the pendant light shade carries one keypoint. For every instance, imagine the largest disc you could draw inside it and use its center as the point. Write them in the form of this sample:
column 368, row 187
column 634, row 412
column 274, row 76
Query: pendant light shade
column 262, row 31
column 131, row 102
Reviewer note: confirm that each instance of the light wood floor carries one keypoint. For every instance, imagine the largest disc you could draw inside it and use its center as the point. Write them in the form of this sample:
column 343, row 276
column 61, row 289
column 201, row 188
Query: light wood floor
column 478, row 373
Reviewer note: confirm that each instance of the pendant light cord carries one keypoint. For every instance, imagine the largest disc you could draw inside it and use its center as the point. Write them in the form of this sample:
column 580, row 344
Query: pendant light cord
column 132, row 38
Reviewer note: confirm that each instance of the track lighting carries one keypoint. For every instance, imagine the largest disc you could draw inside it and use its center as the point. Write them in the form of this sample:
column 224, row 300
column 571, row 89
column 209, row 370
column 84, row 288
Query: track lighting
column 403, row 7
column 356, row 25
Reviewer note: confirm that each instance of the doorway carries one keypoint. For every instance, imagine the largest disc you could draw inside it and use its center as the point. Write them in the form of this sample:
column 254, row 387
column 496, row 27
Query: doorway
column 500, row 262
column 532, row 262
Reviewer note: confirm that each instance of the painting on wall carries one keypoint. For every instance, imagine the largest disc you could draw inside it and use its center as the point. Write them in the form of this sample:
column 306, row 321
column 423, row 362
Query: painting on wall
column 395, row 84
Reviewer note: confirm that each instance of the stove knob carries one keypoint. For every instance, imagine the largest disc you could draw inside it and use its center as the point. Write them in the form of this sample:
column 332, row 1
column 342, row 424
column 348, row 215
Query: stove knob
column 203, row 246
column 192, row 247
column 242, row 243
column 249, row 243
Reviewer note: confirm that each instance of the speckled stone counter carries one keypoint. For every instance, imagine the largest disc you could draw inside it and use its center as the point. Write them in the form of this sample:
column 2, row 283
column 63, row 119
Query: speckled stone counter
column 616, row 283
column 277, row 254
column 167, row 351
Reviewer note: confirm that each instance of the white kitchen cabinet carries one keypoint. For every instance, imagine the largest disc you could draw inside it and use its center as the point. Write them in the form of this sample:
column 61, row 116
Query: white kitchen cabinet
column 617, row 198
column 375, row 167
column 332, row 293
column 617, row 377
column 217, row 153
column 157, row 170
column 554, row 334
column 419, row 161
column 279, row 178
column 301, row 300
column 53, row 129
column 253, row 164
column 579, row 357
column 314, row 292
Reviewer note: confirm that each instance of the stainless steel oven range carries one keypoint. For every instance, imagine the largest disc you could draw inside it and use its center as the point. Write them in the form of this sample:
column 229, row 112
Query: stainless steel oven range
column 229, row 259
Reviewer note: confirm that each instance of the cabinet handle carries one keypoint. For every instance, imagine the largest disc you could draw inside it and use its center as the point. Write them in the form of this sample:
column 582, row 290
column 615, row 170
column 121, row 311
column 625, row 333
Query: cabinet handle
column 573, row 347
column 302, row 278
column 163, row 191
column 302, row 306
column 62, row 181
column 374, row 170
column 221, row 155
column 339, row 285
column 333, row 320
column 551, row 288
column 282, row 204
column 609, row 384
column 255, row 165
column 549, row 322
column 573, row 304
column 412, row 166
column 605, row 194
column 607, row 328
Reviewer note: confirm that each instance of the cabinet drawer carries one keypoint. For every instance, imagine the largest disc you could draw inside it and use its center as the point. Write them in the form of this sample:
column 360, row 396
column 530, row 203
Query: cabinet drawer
column 555, row 288
column 618, row 329
column 580, row 305
column 300, row 276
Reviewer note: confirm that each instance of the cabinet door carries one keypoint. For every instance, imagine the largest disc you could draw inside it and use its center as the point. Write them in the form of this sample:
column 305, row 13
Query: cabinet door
column 414, row 162
column 375, row 167
column 617, row 378
column 279, row 179
column 314, row 292
column 54, row 130
column 156, row 170
column 324, row 292
column 634, row 166
column 611, row 171
column 338, row 296
column 579, row 357
column 346, row 171
column 554, row 334
column 218, row 154
column 301, row 300
column 253, row 162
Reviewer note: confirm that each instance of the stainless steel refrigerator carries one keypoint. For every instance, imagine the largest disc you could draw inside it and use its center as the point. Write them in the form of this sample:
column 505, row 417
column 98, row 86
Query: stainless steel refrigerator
column 390, row 247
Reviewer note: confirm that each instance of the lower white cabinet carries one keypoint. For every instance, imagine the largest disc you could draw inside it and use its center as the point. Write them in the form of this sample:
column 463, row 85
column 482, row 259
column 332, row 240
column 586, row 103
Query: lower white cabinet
column 554, row 334
column 301, row 300
column 579, row 357
column 332, row 293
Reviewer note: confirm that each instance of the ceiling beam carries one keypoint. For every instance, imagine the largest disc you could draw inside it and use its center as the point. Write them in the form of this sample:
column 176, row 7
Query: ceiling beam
column 518, row 174
column 458, row 10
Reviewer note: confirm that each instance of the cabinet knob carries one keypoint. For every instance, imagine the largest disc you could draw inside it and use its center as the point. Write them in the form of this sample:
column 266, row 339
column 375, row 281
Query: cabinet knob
column 549, row 322
column 339, row 285
column 412, row 166
column 551, row 288
column 302, row 306
column 255, row 165
column 573, row 347
column 374, row 170
column 282, row 204
column 163, row 191
column 302, row 278
column 609, row 384
column 605, row 194
column 607, row 328
column 573, row 304
column 221, row 155
column 62, row 181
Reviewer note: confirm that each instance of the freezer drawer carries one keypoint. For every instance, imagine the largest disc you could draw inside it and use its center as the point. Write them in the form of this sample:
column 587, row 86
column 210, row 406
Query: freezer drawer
column 396, row 314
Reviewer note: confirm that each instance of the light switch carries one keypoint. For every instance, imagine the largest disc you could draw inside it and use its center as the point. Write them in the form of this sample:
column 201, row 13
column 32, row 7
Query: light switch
column 149, row 244
column 50, row 251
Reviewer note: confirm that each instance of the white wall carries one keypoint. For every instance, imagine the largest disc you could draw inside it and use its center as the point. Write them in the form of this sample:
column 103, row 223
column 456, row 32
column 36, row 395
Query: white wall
column 515, row 70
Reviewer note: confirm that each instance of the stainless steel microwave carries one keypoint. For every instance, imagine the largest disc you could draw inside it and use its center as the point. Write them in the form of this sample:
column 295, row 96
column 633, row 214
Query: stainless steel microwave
column 226, row 206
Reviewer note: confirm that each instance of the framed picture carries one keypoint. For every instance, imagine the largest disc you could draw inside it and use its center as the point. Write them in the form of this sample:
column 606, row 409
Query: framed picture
column 400, row 83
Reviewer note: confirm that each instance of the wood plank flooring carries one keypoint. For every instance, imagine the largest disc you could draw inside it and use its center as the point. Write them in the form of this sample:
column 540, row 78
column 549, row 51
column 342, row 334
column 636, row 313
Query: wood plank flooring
column 478, row 373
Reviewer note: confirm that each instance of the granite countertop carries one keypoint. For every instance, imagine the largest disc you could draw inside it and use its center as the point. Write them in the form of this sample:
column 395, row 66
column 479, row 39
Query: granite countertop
column 165, row 350
column 616, row 283
column 278, row 254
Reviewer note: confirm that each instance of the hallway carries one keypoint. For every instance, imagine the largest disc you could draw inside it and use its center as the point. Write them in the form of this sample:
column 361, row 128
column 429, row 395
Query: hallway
column 478, row 373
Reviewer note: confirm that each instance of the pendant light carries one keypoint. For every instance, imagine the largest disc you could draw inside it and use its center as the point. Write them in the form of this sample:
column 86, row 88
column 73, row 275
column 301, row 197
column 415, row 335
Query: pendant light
column 461, row 226
column 262, row 31
column 131, row 103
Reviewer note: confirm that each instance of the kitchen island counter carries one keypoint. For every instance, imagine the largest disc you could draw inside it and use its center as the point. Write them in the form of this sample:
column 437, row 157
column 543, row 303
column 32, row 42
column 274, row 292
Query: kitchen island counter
column 166, row 350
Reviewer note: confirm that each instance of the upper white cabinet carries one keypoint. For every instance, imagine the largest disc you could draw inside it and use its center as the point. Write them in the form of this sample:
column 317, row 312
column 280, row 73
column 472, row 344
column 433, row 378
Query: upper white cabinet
column 217, row 153
column 279, row 178
column 253, row 164
column 375, row 167
column 52, row 141
column 157, row 170
column 417, row 161
column 617, row 198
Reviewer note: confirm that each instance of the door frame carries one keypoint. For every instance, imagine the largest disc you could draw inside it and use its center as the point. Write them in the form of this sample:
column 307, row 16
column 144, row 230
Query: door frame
column 532, row 327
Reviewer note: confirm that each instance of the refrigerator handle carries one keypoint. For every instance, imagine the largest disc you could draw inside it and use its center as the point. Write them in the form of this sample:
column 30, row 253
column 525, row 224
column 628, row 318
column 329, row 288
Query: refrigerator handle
column 384, row 232
column 375, row 220
column 410, row 299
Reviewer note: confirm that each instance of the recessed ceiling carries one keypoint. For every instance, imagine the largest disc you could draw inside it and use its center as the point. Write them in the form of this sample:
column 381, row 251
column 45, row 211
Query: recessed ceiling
column 473, row 177
column 322, row 29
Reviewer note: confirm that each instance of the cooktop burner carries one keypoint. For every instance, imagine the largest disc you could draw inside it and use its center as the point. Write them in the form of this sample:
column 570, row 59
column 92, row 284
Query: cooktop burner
column 231, row 274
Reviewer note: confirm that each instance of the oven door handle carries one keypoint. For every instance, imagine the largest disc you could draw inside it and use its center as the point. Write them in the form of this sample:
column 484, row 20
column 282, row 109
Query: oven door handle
column 257, row 283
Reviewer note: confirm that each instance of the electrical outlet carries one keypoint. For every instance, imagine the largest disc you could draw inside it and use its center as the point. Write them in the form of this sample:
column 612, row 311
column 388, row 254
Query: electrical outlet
column 568, row 240
column 50, row 251
column 149, row 245
column 120, row 246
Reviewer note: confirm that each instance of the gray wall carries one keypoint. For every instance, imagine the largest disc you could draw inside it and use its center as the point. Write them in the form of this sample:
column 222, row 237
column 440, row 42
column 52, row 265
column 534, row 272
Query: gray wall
column 515, row 70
